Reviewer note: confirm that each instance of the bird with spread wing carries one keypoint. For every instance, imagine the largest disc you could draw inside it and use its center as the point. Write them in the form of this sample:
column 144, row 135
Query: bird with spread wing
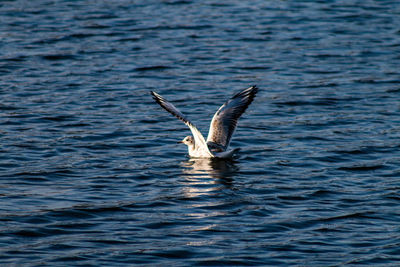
column 222, row 126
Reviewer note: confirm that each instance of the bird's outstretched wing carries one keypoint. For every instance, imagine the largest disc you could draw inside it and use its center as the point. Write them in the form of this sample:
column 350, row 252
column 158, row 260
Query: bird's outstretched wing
column 199, row 140
column 224, row 122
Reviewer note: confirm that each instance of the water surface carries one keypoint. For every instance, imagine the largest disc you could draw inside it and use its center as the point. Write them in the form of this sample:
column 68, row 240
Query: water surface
column 90, row 172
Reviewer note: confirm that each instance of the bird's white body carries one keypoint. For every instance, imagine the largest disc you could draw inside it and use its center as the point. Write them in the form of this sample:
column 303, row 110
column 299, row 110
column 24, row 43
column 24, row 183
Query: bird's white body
column 202, row 153
column 222, row 126
column 196, row 152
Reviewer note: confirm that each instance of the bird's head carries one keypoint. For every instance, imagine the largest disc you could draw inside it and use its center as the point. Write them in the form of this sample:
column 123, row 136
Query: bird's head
column 188, row 140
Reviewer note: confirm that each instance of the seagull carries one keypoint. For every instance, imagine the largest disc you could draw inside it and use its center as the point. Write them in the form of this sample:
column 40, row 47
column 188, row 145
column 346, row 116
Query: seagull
column 222, row 126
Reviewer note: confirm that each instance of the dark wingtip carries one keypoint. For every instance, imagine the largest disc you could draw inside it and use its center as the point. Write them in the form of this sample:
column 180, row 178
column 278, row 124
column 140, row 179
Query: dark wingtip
column 254, row 87
column 156, row 97
column 164, row 104
column 251, row 92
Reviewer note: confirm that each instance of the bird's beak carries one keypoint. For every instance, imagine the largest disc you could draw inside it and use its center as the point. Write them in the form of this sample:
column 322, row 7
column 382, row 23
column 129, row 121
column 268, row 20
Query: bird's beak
column 179, row 142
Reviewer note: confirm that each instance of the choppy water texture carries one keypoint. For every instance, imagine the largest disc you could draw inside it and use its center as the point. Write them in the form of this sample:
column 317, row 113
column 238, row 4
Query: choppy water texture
column 90, row 170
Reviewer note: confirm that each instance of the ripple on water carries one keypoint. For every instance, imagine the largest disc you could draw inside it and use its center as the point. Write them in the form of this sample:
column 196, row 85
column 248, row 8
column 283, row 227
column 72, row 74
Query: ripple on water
column 90, row 172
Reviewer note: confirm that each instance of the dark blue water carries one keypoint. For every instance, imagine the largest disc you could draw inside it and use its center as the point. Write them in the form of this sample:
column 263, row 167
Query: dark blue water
column 90, row 170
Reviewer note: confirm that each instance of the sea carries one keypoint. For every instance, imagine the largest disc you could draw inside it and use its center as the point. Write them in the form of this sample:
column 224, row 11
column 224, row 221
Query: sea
column 90, row 170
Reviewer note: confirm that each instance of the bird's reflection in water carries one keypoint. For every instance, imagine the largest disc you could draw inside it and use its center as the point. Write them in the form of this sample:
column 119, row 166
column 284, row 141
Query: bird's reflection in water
column 207, row 176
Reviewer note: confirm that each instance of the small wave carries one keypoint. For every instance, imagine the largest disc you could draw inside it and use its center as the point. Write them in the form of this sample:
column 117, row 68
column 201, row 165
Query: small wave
column 18, row 58
column 8, row 107
column 178, row 2
column 317, row 102
column 175, row 27
column 152, row 68
column 253, row 68
column 54, row 57
column 362, row 167
column 58, row 118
